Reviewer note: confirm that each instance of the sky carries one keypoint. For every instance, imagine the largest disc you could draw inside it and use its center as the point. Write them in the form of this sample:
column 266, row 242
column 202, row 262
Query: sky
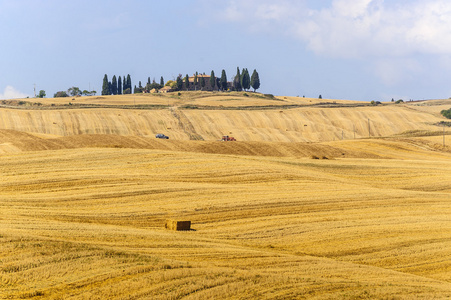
column 339, row 49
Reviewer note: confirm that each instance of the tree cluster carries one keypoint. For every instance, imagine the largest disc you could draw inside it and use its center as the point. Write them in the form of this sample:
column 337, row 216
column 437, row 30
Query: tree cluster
column 72, row 91
column 117, row 85
column 446, row 113
column 242, row 81
column 149, row 86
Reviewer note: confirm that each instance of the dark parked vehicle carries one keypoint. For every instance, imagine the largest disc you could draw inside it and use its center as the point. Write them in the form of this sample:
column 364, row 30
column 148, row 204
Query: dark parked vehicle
column 162, row 136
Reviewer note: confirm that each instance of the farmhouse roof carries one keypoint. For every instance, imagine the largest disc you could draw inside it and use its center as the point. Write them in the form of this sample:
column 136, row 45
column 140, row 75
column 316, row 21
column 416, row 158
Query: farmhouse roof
column 166, row 89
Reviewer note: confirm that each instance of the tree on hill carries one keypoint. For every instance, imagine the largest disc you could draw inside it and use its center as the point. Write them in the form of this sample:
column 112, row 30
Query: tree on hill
column 129, row 82
column 223, row 80
column 60, row 94
column 237, row 80
column 119, row 86
column 41, row 94
column 245, row 80
column 179, row 82
column 187, row 82
column 88, row 93
column 202, row 83
column 74, row 91
column 105, row 86
column 114, row 85
column 195, row 82
column 212, row 80
column 446, row 113
column 162, row 81
column 255, row 80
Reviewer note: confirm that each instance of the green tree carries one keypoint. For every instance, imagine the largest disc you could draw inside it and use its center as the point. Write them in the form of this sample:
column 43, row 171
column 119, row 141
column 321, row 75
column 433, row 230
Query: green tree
column 114, row 85
column 74, row 91
column 255, row 80
column 195, row 81
column 245, row 80
column 105, row 87
column 41, row 94
column 179, row 82
column 202, row 82
column 223, row 80
column 187, row 82
column 129, row 82
column 446, row 113
column 212, row 80
column 119, row 86
column 162, row 81
column 237, row 80
column 60, row 94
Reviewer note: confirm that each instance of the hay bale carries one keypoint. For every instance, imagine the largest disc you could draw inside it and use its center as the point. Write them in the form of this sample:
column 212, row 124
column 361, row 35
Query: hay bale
column 178, row 225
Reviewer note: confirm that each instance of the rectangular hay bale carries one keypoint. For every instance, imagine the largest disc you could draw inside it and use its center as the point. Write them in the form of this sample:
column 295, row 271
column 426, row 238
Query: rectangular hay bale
column 178, row 225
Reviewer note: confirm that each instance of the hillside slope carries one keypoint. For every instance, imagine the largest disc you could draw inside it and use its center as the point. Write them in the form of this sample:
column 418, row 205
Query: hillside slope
column 405, row 148
column 280, row 125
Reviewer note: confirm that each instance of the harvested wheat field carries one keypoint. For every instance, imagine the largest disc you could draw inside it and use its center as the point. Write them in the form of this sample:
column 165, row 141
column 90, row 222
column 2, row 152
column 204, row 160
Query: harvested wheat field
column 83, row 215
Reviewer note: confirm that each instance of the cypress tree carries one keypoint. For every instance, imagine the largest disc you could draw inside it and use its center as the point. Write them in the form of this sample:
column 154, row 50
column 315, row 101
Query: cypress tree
column 223, row 80
column 195, row 82
column 109, row 88
column 119, row 85
column 202, row 83
column 114, row 85
column 245, row 80
column 179, row 83
column 162, row 81
column 105, row 85
column 212, row 80
column 255, row 80
column 237, row 80
column 187, row 82
column 124, row 84
column 129, row 82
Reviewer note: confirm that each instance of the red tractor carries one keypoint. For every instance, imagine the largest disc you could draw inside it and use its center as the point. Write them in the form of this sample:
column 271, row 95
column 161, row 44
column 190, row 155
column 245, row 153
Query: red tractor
column 227, row 138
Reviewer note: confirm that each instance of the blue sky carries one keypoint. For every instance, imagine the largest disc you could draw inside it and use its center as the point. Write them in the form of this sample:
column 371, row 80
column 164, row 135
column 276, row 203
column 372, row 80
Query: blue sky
column 342, row 49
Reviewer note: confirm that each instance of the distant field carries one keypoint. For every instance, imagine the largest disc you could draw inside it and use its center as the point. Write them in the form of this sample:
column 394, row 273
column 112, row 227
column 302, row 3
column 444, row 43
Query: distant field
column 288, row 119
column 287, row 212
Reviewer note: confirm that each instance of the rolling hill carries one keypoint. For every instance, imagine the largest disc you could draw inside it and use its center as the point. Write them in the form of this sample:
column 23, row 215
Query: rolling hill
column 297, row 208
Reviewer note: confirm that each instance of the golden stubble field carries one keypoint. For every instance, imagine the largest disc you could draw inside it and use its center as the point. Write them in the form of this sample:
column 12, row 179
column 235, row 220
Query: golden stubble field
column 82, row 217
column 89, row 223
column 290, row 119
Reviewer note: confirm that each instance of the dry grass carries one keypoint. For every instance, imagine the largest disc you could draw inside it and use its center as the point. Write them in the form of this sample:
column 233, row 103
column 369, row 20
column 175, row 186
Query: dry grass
column 85, row 193
column 301, row 124
column 90, row 224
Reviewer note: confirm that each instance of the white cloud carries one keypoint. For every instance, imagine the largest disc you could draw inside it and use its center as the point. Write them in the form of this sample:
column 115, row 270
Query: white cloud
column 12, row 93
column 350, row 28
